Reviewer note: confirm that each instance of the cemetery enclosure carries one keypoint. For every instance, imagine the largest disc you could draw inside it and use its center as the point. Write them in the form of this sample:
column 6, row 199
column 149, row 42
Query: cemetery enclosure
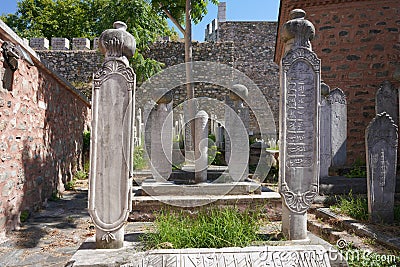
column 41, row 125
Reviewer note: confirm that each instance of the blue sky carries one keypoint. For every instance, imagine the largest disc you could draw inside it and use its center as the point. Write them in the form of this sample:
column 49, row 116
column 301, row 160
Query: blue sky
column 236, row 10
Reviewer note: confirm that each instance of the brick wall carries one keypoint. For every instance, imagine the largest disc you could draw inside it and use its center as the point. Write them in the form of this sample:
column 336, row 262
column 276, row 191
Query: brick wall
column 359, row 46
column 42, row 118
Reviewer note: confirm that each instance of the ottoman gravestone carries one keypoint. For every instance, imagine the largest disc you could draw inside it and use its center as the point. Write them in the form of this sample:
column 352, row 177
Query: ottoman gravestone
column 325, row 130
column 299, row 125
column 338, row 104
column 381, row 149
column 386, row 101
column 113, row 108
column 161, row 137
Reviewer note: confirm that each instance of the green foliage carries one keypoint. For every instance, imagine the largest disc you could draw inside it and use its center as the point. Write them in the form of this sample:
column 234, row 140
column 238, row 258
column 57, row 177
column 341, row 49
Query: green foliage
column 358, row 170
column 24, row 216
column 86, row 140
column 139, row 162
column 89, row 18
column 81, row 175
column 212, row 137
column 353, row 206
column 210, row 228
column 70, row 185
column 86, row 167
column 177, row 9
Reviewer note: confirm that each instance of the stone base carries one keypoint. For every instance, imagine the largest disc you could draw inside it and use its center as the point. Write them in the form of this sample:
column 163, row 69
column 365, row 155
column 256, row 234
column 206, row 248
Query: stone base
column 314, row 252
column 150, row 187
column 150, row 204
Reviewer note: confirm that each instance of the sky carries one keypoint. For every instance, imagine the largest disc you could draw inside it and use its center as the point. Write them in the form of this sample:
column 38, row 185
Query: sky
column 236, row 10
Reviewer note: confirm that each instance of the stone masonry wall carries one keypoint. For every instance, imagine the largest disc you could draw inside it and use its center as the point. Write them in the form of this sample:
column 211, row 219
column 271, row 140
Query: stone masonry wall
column 246, row 46
column 253, row 46
column 77, row 66
column 359, row 46
column 42, row 118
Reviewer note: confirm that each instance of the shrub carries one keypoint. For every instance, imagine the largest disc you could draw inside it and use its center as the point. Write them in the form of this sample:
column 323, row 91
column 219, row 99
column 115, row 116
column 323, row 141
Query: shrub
column 81, row 175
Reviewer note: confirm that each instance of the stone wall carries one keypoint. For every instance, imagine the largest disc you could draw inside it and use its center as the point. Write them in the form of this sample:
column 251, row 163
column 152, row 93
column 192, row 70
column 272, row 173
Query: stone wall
column 359, row 46
column 42, row 118
column 246, row 46
column 77, row 66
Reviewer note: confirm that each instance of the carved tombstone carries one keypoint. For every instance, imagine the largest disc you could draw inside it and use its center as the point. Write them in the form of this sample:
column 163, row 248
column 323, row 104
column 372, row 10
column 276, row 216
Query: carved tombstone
column 299, row 125
column 161, row 137
column 386, row 101
column 381, row 147
column 325, row 130
column 112, row 138
column 237, row 121
column 337, row 101
column 235, row 109
column 201, row 146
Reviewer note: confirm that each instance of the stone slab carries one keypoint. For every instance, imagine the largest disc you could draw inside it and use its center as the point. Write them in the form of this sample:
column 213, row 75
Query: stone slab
column 151, row 203
column 289, row 255
column 153, row 188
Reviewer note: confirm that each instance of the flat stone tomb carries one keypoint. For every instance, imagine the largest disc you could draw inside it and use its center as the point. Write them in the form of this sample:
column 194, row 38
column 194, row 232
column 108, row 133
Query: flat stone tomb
column 306, row 255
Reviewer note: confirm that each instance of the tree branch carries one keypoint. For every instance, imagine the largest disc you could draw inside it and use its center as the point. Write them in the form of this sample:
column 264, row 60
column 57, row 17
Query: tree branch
column 173, row 19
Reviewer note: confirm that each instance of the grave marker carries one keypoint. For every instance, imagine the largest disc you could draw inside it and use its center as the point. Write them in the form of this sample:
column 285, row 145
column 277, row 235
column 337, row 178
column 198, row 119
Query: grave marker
column 381, row 149
column 337, row 101
column 299, row 125
column 113, row 115
column 386, row 101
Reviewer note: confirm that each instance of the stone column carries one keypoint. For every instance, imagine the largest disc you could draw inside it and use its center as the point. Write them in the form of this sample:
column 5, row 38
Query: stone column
column 113, row 115
column 161, row 138
column 381, row 147
column 337, row 101
column 201, row 147
column 325, row 129
column 300, row 96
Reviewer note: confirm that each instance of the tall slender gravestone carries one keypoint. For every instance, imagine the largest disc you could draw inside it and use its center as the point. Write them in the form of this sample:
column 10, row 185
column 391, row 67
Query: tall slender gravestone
column 300, row 96
column 161, row 137
column 201, row 147
column 325, row 129
column 386, row 101
column 113, row 108
column 337, row 101
column 381, row 146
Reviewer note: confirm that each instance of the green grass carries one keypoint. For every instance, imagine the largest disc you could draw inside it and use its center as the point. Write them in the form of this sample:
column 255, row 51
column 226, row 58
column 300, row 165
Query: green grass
column 70, row 185
column 353, row 206
column 210, row 228
column 81, row 175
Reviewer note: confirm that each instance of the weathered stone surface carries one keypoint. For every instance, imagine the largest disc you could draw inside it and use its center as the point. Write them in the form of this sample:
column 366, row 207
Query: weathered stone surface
column 161, row 139
column 337, row 101
column 381, row 139
column 36, row 141
column 307, row 255
column 386, row 100
column 325, row 130
column 201, row 146
column 299, row 125
column 112, row 138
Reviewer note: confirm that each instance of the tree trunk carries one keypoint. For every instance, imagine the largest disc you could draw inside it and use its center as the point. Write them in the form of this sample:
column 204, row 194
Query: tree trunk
column 188, row 59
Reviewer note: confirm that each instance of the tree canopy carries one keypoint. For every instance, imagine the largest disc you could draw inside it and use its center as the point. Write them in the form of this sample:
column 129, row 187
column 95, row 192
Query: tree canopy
column 89, row 18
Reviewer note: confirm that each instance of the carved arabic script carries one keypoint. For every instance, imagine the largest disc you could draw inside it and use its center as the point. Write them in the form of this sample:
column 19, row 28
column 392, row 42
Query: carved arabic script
column 300, row 107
